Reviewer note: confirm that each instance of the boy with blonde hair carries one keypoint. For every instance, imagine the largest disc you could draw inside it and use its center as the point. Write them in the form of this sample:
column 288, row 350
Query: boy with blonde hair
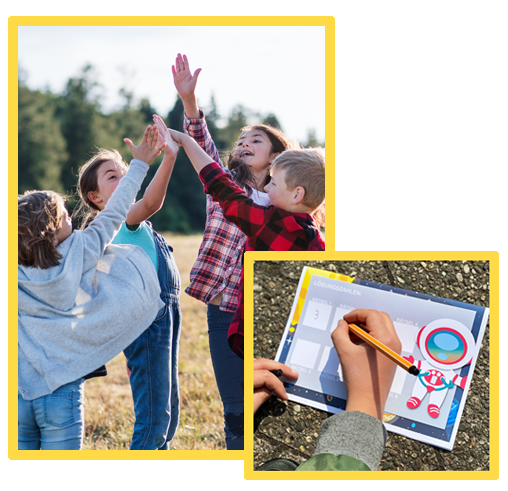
column 296, row 191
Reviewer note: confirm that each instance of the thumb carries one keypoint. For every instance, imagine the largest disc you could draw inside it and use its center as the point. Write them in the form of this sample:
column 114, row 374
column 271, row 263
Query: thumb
column 196, row 73
column 129, row 143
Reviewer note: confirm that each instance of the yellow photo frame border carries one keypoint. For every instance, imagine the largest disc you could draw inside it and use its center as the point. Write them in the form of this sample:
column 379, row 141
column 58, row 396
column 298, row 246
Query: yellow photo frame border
column 304, row 257
column 328, row 22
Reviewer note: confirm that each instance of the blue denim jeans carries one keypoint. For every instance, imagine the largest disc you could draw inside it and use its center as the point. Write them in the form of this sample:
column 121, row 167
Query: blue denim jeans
column 228, row 369
column 53, row 422
column 153, row 361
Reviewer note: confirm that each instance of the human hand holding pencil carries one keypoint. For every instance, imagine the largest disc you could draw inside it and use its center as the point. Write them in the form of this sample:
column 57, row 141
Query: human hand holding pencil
column 368, row 373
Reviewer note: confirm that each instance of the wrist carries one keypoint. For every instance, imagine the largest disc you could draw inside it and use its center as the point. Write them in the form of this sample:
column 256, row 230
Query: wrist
column 169, row 158
column 365, row 405
column 190, row 106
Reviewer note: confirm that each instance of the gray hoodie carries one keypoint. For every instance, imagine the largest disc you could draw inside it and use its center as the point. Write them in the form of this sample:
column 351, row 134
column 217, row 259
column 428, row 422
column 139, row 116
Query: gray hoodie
column 74, row 317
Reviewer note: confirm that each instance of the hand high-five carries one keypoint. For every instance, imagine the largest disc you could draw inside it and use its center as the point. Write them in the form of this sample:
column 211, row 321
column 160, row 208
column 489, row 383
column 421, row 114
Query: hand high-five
column 149, row 147
column 172, row 145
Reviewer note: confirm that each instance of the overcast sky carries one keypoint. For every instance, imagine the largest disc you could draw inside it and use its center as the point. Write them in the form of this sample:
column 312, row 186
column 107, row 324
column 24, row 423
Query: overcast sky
column 267, row 69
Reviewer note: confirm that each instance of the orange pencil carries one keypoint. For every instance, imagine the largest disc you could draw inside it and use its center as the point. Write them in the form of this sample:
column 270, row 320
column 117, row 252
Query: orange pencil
column 365, row 336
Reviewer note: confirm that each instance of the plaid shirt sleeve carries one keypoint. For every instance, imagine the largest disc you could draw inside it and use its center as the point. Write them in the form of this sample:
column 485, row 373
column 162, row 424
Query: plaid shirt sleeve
column 238, row 208
column 198, row 130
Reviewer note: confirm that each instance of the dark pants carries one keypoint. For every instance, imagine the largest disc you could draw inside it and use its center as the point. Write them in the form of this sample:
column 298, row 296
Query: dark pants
column 228, row 370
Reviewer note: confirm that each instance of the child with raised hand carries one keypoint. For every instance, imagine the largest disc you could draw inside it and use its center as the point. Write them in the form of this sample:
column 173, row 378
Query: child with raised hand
column 152, row 359
column 296, row 191
column 81, row 301
column 216, row 274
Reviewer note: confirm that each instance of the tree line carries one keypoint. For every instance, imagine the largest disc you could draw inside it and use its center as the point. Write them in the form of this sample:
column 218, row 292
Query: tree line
column 58, row 132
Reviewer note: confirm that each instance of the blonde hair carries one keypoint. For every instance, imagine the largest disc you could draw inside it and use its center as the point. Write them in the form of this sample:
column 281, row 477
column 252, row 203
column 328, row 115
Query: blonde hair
column 306, row 168
column 87, row 182
column 40, row 218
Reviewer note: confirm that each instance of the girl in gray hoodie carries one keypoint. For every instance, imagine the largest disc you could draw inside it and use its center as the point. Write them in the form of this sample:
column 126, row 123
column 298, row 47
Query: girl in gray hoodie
column 81, row 301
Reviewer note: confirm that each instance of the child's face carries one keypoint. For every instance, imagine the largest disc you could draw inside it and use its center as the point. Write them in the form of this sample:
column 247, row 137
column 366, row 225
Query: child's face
column 255, row 149
column 109, row 174
column 280, row 196
column 65, row 230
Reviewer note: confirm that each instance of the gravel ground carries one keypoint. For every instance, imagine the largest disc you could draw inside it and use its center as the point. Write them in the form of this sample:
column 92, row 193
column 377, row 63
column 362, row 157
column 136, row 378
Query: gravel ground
column 290, row 430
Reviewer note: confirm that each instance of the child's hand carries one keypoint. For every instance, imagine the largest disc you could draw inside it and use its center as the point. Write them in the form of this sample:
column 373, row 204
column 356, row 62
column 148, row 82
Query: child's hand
column 185, row 83
column 368, row 374
column 172, row 147
column 266, row 383
column 149, row 147
column 167, row 133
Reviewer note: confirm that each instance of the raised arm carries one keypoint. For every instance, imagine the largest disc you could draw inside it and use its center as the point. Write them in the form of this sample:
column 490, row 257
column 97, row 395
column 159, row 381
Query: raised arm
column 185, row 83
column 155, row 193
column 194, row 123
column 196, row 154
column 103, row 228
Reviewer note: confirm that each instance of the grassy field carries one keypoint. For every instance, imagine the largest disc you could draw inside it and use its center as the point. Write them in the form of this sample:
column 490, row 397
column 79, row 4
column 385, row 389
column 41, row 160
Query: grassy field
column 109, row 415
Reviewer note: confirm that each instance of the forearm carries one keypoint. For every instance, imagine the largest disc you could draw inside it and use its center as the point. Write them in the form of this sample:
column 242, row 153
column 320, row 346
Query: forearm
column 155, row 193
column 190, row 106
column 198, row 130
column 196, row 154
column 237, row 207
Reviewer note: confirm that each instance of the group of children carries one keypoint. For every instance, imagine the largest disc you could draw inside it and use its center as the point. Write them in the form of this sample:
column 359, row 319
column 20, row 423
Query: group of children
column 87, row 295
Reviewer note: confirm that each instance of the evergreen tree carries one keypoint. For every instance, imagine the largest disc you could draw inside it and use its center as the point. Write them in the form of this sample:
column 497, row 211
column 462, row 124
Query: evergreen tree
column 312, row 140
column 78, row 111
column 41, row 146
column 236, row 121
column 146, row 110
column 184, row 209
column 271, row 120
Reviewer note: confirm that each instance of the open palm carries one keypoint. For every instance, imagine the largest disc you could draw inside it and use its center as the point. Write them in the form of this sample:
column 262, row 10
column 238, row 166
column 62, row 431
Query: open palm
column 184, row 81
column 172, row 146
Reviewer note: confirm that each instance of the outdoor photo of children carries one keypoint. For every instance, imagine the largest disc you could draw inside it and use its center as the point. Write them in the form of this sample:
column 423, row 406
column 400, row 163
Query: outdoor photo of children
column 130, row 264
column 263, row 237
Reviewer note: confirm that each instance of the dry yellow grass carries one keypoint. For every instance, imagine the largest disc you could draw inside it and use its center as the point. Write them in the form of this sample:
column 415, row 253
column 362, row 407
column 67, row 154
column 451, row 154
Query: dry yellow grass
column 109, row 415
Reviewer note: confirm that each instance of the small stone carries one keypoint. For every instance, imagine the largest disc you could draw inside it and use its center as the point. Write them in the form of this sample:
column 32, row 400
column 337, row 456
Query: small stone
column 297, row 408
column 459, row 277
column 299, row 426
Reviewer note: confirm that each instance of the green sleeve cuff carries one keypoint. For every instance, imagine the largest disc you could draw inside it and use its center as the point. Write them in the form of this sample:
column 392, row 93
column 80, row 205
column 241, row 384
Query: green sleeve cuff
column 330, row 462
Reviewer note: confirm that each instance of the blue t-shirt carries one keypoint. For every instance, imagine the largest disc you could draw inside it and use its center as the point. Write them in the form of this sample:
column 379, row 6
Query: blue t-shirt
column 142, row 237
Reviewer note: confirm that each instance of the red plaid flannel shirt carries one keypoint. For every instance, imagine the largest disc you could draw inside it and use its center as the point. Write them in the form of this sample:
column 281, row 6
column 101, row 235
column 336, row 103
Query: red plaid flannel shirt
column 267, row 229
column 218, row 267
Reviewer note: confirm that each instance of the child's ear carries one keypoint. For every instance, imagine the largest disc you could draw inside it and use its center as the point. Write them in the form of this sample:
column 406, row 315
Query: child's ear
column 273, row 157
column 92, row 196
column 298, row 195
